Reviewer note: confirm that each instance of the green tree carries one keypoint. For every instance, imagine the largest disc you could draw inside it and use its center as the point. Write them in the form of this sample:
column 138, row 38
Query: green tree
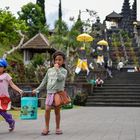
column 60, row 18
column 58, row 39
column 41, row 4
column 9, row 26
column 33, row 16
column 76, row 29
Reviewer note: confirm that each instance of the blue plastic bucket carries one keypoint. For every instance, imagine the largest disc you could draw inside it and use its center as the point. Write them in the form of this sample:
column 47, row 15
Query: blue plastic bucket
column 29, row 106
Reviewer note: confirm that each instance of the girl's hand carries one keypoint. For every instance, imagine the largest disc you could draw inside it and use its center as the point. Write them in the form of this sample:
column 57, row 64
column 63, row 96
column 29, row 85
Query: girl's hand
column 56, row 66
column 21, row 92
column 34, row 91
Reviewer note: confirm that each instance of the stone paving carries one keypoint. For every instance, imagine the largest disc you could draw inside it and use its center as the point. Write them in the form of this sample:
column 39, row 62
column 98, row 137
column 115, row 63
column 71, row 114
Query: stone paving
column 82, row 123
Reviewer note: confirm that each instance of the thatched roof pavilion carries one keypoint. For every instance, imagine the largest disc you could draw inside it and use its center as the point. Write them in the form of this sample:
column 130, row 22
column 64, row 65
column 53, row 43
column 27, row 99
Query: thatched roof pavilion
column 37, row 44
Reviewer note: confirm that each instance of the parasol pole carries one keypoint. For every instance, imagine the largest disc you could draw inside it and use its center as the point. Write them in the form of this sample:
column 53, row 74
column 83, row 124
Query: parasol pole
column 84, row 45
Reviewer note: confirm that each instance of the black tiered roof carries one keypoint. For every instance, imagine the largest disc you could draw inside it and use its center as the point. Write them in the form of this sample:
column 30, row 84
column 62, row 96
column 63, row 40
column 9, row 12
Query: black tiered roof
column 113, row 16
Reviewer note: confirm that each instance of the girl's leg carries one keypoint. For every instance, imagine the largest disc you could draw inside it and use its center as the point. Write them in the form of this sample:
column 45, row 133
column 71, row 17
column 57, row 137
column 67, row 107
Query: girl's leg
column 47, row 120
column 8, row 118
column 57, row 119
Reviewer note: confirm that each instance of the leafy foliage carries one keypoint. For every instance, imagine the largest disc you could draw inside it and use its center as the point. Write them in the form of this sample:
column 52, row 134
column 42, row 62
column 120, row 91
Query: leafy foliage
column 38, row 59
column 58, row 39
column 34, row 18
column 36, row 69
column 41, row 4
column 80, row 99
column 16, row 67
column 9, row 26
column 76, row 29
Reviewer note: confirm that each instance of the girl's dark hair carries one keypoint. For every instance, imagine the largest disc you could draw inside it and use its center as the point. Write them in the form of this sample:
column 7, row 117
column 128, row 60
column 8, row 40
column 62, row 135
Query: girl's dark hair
column 59, row 53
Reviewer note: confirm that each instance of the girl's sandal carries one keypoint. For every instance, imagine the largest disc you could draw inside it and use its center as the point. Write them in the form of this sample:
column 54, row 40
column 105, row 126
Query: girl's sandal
column 45, row 132
column 12, row 126
column 58, row 132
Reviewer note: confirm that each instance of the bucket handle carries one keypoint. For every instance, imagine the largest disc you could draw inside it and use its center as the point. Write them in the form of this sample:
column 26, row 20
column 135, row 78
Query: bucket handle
column 29, row 92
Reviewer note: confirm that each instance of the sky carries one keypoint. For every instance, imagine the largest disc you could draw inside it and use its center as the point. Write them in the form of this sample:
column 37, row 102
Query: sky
column 70, row 8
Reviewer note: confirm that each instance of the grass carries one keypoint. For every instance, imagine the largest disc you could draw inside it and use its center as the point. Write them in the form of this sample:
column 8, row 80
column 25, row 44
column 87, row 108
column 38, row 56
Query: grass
column 16, row 113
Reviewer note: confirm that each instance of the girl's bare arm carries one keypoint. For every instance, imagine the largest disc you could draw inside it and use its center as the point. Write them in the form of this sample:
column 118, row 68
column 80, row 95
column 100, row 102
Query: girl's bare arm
column 15, row 87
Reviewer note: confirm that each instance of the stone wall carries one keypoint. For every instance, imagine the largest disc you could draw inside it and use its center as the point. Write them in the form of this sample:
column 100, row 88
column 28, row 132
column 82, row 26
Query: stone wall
column 72, row 89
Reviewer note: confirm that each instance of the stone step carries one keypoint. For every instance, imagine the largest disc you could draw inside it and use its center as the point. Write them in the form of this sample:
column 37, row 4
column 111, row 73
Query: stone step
column 121, row 85
column 124, row 81
column 116, row 90
column 116, row 93
column 117, row 86
column 113, row 96
column 121, row 90
column 113, row 100
column 123, row 104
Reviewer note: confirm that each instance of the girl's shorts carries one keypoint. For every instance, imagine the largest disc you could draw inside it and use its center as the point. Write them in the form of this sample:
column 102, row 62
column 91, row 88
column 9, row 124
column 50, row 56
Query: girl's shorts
column 50, row 99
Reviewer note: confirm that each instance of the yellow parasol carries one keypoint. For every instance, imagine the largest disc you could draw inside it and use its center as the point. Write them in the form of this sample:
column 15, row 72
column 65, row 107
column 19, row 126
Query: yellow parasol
column 84, row 37
column 102, row 42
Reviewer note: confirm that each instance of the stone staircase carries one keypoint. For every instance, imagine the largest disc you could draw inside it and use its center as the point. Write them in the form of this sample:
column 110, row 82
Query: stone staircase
column 121, row 90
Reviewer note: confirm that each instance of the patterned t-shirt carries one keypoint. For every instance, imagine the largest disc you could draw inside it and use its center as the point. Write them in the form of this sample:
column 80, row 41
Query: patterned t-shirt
column 4, row 83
